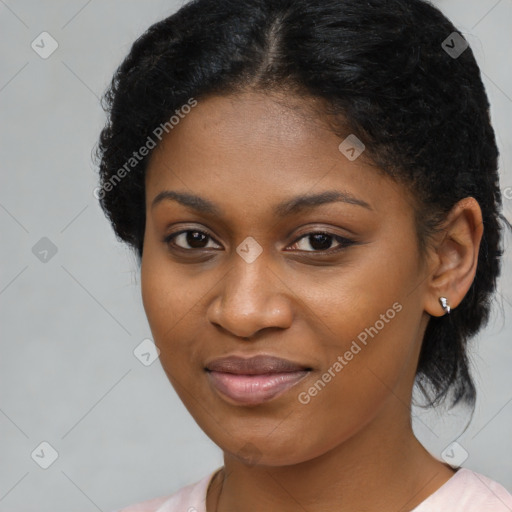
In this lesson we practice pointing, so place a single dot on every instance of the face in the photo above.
(238, 263)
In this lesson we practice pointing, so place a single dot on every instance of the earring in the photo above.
(444, 304)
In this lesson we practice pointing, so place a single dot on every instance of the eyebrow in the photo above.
(288, 207)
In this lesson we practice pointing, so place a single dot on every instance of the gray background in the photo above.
(69, 325)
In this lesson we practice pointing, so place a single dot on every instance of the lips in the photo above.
(256, 365)
(254, 380)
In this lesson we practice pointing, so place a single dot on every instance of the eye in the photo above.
(195, 239)
(321, 241)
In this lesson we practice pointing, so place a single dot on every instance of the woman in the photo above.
(312, 190)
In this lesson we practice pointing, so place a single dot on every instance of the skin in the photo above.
(352, 446)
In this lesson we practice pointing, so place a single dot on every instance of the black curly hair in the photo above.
(381, 68)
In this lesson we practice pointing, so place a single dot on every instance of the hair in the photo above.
(380, 71)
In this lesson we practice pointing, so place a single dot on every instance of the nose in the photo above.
(251, 297)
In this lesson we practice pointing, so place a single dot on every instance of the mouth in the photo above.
(254, 380)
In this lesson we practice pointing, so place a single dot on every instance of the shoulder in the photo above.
(468, 491)
(190, 498)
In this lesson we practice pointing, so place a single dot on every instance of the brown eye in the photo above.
(321, 242)
(194, 238)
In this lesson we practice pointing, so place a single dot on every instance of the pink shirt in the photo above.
(465, 491)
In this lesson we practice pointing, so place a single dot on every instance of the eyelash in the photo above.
(344, 242)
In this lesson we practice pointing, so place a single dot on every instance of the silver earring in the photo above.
(444, 304)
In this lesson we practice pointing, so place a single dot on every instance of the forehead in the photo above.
(252, 149)
(271, 122)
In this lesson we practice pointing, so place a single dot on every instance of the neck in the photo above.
(382, 467)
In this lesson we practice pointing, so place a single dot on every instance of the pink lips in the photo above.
(251, 381)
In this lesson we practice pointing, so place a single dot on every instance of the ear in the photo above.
(455, 256)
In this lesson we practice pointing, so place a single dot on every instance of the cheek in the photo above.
(368, 331)
(156, 298)
(172, 302)
(163, 301)
(163, 288)
(360, 379)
